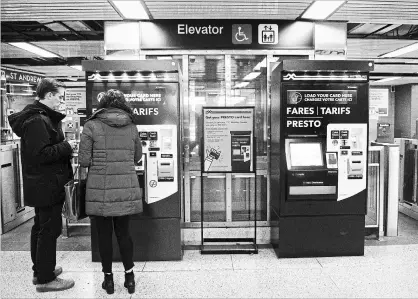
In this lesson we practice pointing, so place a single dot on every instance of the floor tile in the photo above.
(23, 289)
(15, 246)
(192, 260)
(17, 235)
(67, 246)
(235, 284)
(80, 261)
(267, 259)
(378, 281)
(387, 270)
(89, 285)
(15, 261)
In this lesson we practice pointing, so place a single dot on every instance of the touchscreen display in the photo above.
(306, 154)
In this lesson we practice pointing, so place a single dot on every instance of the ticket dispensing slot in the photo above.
(312, 173)
(165, 170)
(355, 166)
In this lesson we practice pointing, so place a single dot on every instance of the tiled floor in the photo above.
(387, 270)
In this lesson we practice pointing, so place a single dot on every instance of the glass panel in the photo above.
(243, 199)
(206, 88)
(249, 88)
(214, 199)
(373, 192)
(195, 199)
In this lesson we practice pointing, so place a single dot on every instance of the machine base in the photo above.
(314, 236)
(154, 240)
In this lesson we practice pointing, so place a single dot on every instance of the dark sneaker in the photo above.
(57, 284)
(108, 284)
(57, 272)
(130, 282)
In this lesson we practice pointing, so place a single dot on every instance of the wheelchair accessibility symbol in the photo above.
(242, 34)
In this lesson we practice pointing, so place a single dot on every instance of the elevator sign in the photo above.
(226, 34)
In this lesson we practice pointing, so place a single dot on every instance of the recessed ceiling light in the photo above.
(387, 79)
(263, 63)
(77, 67)
(77, 25)
(251, 76)
(366, 28)
(34, 49)
(401, 51)
(130, 9)
(241, 85)
(388, 28)
(322, 9)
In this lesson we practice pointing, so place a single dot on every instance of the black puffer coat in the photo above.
(45, 154)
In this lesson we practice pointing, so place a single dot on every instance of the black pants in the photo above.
(105, 226)
(43, 241)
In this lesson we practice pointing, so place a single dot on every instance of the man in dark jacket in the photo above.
(46, 169)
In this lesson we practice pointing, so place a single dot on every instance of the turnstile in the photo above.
(407, 169)
(410, 184)
(13, 211)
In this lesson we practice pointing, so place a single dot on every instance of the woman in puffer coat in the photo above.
(110, 146)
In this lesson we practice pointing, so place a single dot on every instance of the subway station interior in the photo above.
(280, 143)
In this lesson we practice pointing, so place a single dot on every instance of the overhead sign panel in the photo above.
(226, 34)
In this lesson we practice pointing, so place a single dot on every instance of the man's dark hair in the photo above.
(114, 99)
(46, 85)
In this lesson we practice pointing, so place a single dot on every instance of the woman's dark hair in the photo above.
(114, 98)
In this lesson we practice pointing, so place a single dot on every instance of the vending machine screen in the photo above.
(306, 154)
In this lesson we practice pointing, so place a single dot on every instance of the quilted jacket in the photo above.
(110, 146)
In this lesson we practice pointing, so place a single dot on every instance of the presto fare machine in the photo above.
(152, 89)
(321, 116)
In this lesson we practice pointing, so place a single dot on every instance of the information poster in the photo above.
(75, 101)
(378, 102)
(228, 139)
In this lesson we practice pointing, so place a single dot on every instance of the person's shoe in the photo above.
(57, 284)
(108, 284)
(57, 272)
(130, 282)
